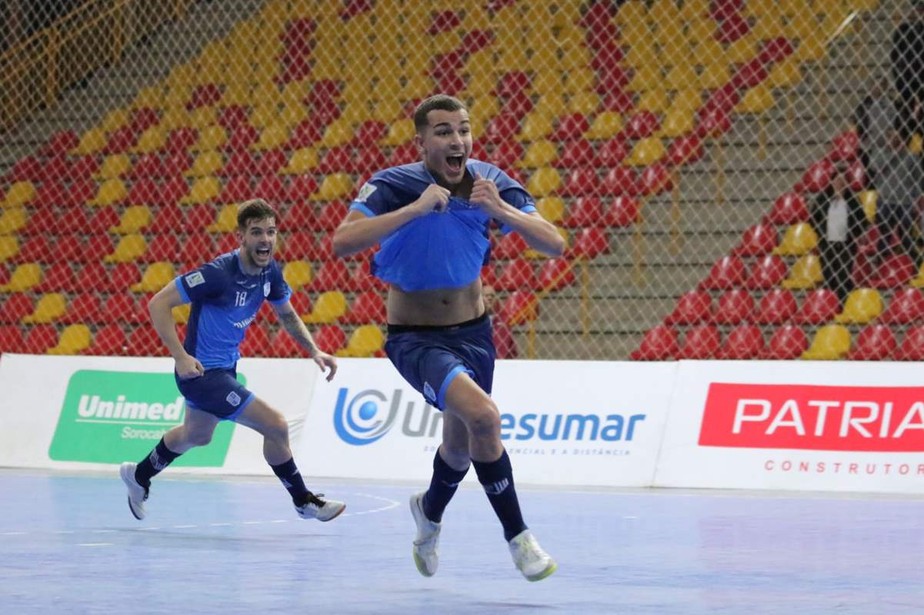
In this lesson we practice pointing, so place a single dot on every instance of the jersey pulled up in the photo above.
(441, 249)
(225, 300)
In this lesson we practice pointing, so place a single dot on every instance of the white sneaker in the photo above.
(322, 510)
(136, 493)
(426, 552)
(530, 559)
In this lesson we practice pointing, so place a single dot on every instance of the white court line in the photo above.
(94, 544)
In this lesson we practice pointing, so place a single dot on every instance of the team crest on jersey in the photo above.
(266, 289)
(365, 192)
(195, 279)
(429, 393)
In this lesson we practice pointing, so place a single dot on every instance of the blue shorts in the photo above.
(217, 392)
(430, 357)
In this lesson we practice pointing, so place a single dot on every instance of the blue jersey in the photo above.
(225, 301)
(442, 249)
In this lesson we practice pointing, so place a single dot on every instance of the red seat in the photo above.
(580, 181)
(518, 273)
(776, 307)
(693, 307)
(505, 154)
(571, 127)
(330, 338)
(817, 177)
(241, 136)
(555, 274)
(502, 127)
(819, 306)
(15, 307)
(237, 189)
(906, 307)
(655, 179)
(509, 246)
(57, 278)
(641, 125)
(519, 307)
(620, 181)
(143, 341)
(912, 346)
(786, 343)
(873, 343)
(613, 152)
(331, 275)
(39, 338)
(367, 307)
(228, 243)
(162, 247)
(788, 208)
(284, 345)
(60, 143)
(331, 215)
(122, 307)
(727, 272)
(299, 246)
(766, 273)
(735, 307)
(700, 342)
(196, 247)
(35, 249)
(622, 212)
(658, 344)
(42, 222)
(85, 307)
(583, 211)
(256, 342)
(109, 340)
(589, 243)
(103, 220)
(11, 339)
(577, 153)
(758, 240)
(742, 342)
(361, 278)
(685, 149)
(893, 272)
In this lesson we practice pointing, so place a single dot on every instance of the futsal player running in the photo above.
(431, 220)
(226, 294)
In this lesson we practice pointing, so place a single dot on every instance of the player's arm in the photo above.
(160, 307)
(359, 231)
(539, 233)
(294, 326)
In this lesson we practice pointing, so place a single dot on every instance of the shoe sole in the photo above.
(126, 480)
(421, 566)
(545, 573)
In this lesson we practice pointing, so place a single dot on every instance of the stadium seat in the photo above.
(645, 152)
(728, 272)
(517, 273)
(15, 307)
(798, 239)
(776, 307)
(206, 164)
(39, 338)
(912, 345)
(11, 339)
(334, 186)
(163, 247)
(9, 247)
(693, 307)
(330, 338)
(685, 149)
(789, 208)
(114, 167)
(786, 343)
(540, 153)
(24, 277)
(873, 343)
(203, 190)
(109, 340)
(805, 273)
(123, 307)
(58, 277)
(367, 307)
(905, 307)
(144, 342)
(552, 208)
(620, 181)
(895, 271)
(757, 240)
(519, 307)
(613, 153)
(579, 181)
(544, 181)
(84, 307)
(155, 277)
(256, 342)
(766, 272)
(35, 249)
(734, 307)
(818, 307)
(329, 307)
(584, 211)
(861, 306)
(700, 342)
(133, 220)
(74, 340)
(196, 247)
(589, 243)
(330, 275)
(622, 212)
(831, 342)
(48, 308)
(298, 274)
(13, 220)
(365, 341)
(555, 274)
(129, 249)
(19, 194)
(658, 344)
(742, 342)
(577, 153)
(655, 179)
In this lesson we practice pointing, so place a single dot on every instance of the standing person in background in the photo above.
(899, 193)
(839, 221)
(432, 220)
(226, 294)
(874, 119)
(907, 60)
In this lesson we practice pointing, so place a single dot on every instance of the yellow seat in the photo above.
(798, 239)
(916, 145)
(301, 161)
(338, 132)
(12, 220)
(552, 208)
(742, 50)
(272, 137)
(9, 247)
(645, 152)
(114, 166)
(24, 277)
(681, 76)
(536, 126)
(203, 190)
(210, 138)
(758, 99)
(133, 219)
(862, 306)
(831, 342)
(539, 154)
(47, 309)
(786, 73)
(181, 313)
(19, 194)
(400, 132)
(91, 142)
(297, 274)
(656, 101)
(115, 119)
(335, 186)
(646, 77)
(585, 102)
(111, 192)
(74, 339)
(805, 273)
(365, 341)
(918, 281)
(328, 308)
(714, 75)
(226, 221)
(868, 199)
(206, 163)
(151, 140)
(677, 122)
(129, 249)
(605, 125)
(543, 182)
(155, 276)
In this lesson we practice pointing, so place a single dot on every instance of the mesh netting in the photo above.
(735, 179)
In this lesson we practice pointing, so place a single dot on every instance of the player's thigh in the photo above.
(263, 418)
(199, 423)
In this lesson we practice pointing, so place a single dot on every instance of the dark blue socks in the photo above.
(497, 479)
(443, 486)
(292, 480)
(159, 458)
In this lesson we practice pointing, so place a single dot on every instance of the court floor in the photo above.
(234, 545)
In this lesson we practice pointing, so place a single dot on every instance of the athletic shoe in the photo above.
(137, 494)
(530, 559)
(426, 552)
(322, 510)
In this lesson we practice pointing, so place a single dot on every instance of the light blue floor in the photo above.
(69, 545)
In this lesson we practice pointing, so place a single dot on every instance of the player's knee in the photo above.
(485, 424)
(277, 428)
(199, 437)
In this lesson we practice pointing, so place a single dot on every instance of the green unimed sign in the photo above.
(111, 417)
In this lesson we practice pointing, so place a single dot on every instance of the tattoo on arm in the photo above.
(296, 328)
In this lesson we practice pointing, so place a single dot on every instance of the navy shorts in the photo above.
(430, 357)
(217, 392)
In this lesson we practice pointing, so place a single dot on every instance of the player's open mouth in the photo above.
(455, 162)
(264, 252)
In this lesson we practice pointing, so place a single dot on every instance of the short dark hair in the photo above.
(254, 209)
(437, 102)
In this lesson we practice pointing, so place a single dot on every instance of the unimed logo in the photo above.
(110, 417)
(828, 418)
